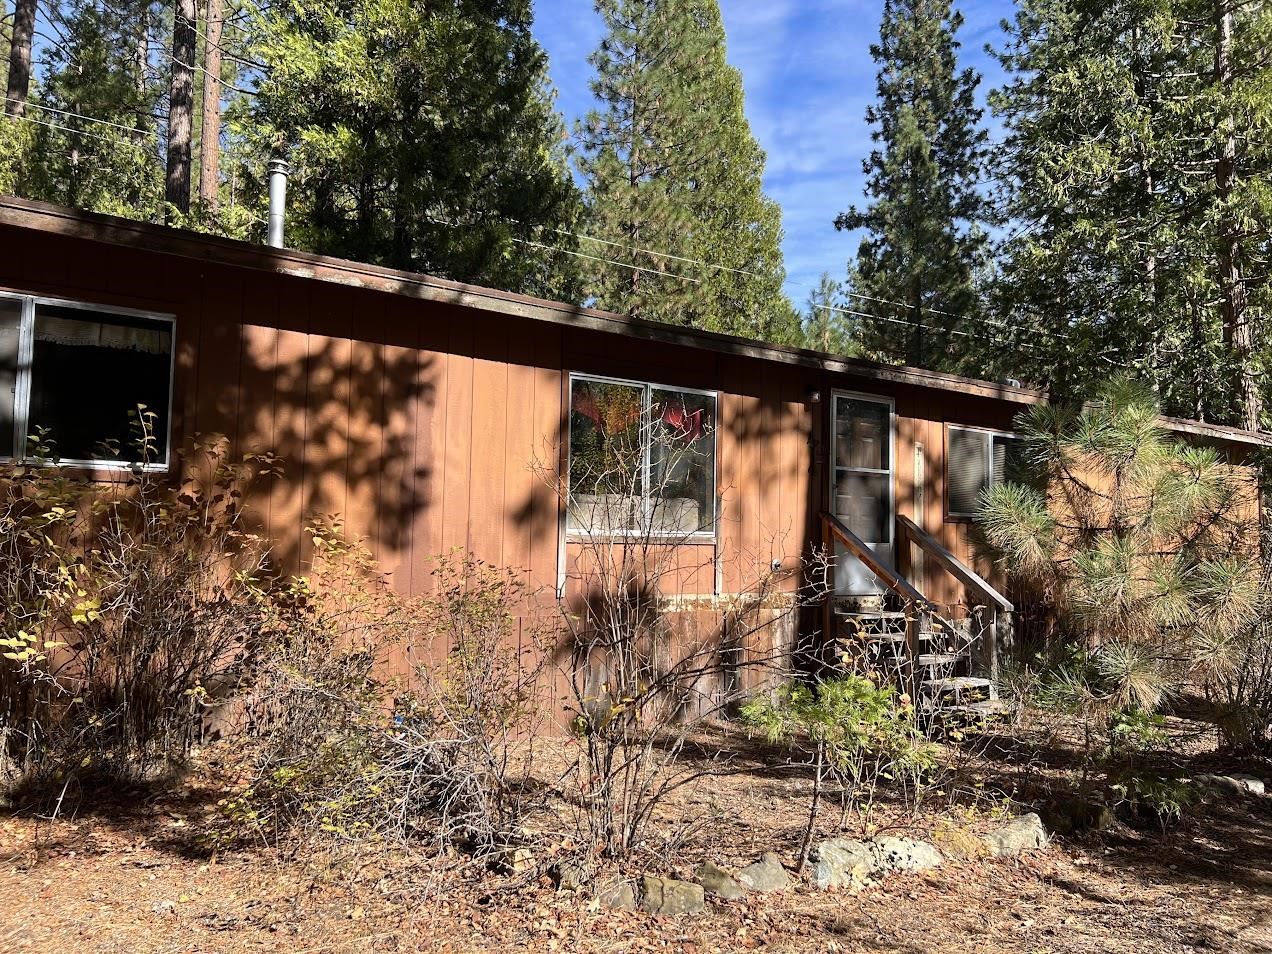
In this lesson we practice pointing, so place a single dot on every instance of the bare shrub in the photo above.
(654, 653)
(129, 608)
(339, 748)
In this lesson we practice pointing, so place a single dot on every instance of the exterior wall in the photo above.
(420, 422)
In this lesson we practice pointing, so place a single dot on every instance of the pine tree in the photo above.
(1145, 550)
(421, 135)
(1139, 197)
(828, 327)
(110, 161)
(925, 240)
(674, 178)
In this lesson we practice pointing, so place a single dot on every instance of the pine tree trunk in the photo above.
(181, 107)
(20, 58)
(1238, 329)
(210, 144)
(141, 62)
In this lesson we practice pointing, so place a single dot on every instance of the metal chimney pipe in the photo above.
(278, 172)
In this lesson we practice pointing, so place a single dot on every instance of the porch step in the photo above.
(988, 707)
(958, 688)
(933, 660)
(870, 614)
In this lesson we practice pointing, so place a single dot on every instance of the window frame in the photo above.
(696, 536)
(22, 380)
(990, 432)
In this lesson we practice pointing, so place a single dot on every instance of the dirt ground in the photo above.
(133, 877)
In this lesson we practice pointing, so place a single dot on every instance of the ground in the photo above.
(133, 875)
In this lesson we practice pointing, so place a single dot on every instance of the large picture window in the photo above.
(80, 375)
(642, 459)
(976, 460)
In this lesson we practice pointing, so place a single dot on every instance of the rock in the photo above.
(668, 897)
(1019, 834)
(765, 876)
(903, 854)
(616, 894)
(1074, 815)
(572, 875)
(164, 907)
(843, 863)
(1232, 784)
(718, 883)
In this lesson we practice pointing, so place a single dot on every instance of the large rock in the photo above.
(847, 863)
(1232, 784)
(765, 876)
(842, 863)
(903, 854)
(616, 894)
(1019, 834)
(718, 883)
(668, 897)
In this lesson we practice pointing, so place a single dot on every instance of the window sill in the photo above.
(99, 471)
(684, 539)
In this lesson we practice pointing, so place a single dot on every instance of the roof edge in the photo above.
(114, 230)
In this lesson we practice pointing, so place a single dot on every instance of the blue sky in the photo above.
(808, 76)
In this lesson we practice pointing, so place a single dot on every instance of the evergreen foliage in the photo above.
(422, 136)
(925, 240)
(1138, 172)
(1145, 548)
(828, 327)
(674, 178)
(111, 166)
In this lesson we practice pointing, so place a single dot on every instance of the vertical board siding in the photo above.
(429, 427)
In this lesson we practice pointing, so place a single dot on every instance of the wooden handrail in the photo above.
(873, 562)
(950, 563)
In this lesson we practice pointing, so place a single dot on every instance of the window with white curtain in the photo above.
(83, 377)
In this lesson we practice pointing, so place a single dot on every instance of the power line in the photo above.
(89, 119)
(71, 129)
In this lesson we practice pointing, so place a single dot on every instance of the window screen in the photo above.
(91, 374)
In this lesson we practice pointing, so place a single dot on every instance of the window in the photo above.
(976, 460)
(642, 459)
(80, 375)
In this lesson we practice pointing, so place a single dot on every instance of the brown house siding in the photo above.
(419, 420)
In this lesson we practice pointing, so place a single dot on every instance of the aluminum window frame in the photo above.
(697, 536)
(994, 478)
(26, 369)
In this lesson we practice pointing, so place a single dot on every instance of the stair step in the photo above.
(870, 614)
(939, 659)
(959, 684)
(985, 707)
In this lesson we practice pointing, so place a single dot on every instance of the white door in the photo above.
(861, 485)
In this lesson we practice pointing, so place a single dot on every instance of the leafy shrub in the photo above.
(857, 731)
(128, 609)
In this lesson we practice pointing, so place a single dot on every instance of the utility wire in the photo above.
(133, 130)
(71, 129)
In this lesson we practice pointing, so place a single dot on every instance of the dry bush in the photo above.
(129, 608)
(648, 661)
(338, 749)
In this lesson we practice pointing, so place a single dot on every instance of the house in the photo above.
(433, 415)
